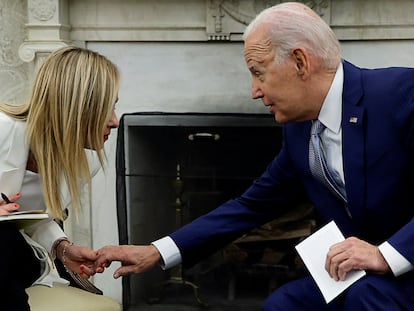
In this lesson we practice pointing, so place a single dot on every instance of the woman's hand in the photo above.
(78, 259)
(9, 207)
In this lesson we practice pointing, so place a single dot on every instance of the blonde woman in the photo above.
(50, 149)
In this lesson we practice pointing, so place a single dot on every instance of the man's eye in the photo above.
(259, 75)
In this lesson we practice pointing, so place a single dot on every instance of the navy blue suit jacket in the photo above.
(378, 160)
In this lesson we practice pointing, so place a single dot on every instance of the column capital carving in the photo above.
(28, 50)
(47, 28)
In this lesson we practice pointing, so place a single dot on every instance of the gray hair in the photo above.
(293, 24)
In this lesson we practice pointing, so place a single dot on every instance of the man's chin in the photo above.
(279, 119)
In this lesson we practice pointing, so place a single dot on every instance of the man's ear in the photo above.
(301, 61)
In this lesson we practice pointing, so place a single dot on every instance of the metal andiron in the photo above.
(176, 273)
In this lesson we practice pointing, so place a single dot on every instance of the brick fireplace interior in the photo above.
(174, 167)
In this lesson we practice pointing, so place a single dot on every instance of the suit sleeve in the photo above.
(268, 196)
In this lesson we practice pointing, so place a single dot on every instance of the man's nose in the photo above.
(256, 91)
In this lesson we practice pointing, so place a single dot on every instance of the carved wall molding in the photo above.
(350, 20)
(322, 7)
(14, 73)
(227, 19)
(42, 10)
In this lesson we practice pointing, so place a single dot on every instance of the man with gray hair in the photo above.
(357, 167)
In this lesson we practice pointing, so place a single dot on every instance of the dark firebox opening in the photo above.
(172, 168)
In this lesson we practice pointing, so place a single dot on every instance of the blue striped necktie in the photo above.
(317, 162)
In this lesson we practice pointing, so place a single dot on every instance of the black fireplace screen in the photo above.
(174, 167)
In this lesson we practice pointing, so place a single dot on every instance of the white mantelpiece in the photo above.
(175, 55)
(225, 20)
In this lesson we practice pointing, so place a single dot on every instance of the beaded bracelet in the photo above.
(56, 245)
(64, 255)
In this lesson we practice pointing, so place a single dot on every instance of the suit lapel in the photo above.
(353, 142)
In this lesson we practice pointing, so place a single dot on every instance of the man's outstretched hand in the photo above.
(134, 258)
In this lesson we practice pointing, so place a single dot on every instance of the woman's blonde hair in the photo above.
(72, 100)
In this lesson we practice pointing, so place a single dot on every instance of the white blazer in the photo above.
(14, 152)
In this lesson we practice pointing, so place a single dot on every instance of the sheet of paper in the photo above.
(313, 252)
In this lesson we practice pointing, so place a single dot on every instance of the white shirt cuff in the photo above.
(169, 251)
(397, 262)
(46, 233)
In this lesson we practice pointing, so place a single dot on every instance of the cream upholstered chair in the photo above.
(80, 295)
(68, 298)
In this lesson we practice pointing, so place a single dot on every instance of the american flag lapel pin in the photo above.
(353, 120)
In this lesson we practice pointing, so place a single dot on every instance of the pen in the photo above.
(5, 198)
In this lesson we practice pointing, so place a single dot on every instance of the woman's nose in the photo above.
(113, 121)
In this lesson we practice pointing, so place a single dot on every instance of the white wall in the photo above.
(371, 54)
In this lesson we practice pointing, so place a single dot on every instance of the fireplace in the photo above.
(174, 167)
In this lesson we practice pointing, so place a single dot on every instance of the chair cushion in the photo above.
(68, 298)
